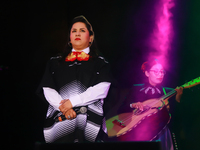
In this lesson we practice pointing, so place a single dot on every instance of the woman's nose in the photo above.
(160, 74)
(78, 33)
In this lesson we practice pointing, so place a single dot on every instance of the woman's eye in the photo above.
(73, 31)
(156, 72)
(82, 30)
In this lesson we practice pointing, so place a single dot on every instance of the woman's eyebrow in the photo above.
(76, 28)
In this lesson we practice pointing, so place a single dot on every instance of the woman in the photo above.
(154, 71)
(80, 77)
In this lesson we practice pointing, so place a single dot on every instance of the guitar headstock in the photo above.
(191, 83)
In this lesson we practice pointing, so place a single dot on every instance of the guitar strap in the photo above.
(164, 91)
(166, 101)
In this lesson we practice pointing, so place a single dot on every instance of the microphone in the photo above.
(82, 110)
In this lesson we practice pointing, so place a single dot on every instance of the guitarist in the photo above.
(154, 71)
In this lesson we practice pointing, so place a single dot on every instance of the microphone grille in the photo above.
(83, 110)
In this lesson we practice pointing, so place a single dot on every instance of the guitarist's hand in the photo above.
(179, 93)
(137, 105)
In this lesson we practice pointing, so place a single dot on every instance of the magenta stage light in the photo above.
(162, 36)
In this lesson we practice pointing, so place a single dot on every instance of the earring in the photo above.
(90, 43)
(70, 44)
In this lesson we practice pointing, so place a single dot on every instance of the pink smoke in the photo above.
(162, 36)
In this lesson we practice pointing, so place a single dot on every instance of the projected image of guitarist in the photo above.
(152, 89)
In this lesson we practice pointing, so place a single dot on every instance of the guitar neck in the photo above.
(169, 94)
(189, 84)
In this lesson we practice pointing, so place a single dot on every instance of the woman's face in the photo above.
(79, 36)
(155, 74)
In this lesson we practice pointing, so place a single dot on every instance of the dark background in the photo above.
(33, 31)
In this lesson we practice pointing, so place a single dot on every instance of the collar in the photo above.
(147, 84)
(86, 50)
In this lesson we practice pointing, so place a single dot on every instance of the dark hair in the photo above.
(93, 48)
(146, 66)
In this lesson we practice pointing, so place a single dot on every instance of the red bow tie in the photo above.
(80, 56)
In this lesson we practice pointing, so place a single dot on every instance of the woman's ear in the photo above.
(91, 38)
(146, 73)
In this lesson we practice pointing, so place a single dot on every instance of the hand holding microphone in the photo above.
(71, 114)
(66, 109)
(65, 106)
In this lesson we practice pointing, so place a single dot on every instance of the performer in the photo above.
(79, 77)
(154, 71)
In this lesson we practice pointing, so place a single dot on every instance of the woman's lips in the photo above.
(159, 78)
(77, 39)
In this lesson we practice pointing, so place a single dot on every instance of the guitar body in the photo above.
(139, 125)
(143, 125)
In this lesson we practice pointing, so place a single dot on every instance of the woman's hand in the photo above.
(179, 93)
(65, 106)
(137, 105)
(70, 114)
(166, 102)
